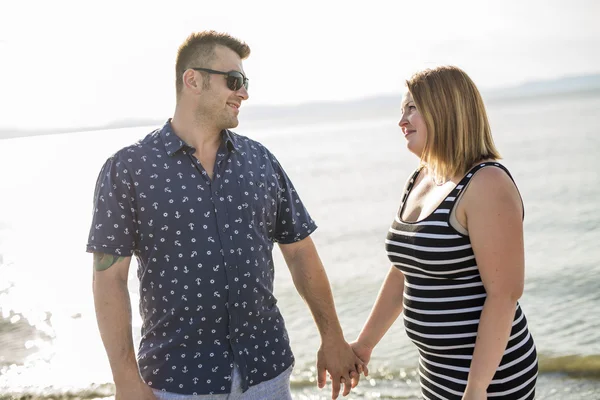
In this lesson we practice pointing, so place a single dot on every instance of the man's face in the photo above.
(217, 101)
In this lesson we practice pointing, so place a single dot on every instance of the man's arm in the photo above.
(310, 279)
(113, 312)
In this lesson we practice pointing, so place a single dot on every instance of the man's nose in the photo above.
(243, 93)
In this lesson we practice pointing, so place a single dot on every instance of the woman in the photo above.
(456, 247)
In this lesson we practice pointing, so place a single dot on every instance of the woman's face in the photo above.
(413, 126)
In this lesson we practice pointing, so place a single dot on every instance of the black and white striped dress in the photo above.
(443, 299)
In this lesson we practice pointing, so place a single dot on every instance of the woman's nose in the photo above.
(403, 121)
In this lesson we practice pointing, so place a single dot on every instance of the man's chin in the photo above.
(232, 123)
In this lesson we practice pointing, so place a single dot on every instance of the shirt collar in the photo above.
(174, 143)
(229, 138)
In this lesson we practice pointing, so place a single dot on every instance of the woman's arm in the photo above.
(493, 211)
(386, 310)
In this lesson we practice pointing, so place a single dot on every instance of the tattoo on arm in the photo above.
(104, 261)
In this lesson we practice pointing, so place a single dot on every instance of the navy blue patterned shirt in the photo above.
(204, 255)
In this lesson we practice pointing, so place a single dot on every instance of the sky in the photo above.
(74, 63)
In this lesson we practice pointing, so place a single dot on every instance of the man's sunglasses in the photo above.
(235, 79)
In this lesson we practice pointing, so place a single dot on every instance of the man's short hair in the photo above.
(198, 50)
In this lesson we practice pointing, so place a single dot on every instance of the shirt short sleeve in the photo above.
(293, 220)
(113, 229)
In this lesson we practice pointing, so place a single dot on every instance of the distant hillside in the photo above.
(569, 84)
(256, 116)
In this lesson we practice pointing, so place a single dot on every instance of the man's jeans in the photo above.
(277, 388)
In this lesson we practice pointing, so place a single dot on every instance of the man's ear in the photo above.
(192, 81)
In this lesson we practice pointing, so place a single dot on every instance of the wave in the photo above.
(96, 392)
(574, 366)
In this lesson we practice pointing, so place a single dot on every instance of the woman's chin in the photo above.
(416, 150)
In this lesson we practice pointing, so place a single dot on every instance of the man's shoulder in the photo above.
(147, 145)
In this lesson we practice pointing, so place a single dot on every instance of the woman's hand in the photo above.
(363, 352)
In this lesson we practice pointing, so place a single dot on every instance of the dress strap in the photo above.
(464, 182)
(410, 184)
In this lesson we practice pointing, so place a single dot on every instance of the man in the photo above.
(201, 207)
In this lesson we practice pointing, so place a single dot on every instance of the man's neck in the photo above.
(194, 131)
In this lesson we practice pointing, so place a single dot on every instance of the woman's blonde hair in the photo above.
(458, 130)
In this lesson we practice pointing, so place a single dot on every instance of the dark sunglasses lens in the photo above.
(235, 81)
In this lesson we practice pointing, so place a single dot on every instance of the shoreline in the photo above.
(261, 116)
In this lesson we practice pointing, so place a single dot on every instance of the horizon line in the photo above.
(502, 92)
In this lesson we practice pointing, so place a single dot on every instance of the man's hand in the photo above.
(138, 390)
(363, 352)
(310, 279)
(344, 367)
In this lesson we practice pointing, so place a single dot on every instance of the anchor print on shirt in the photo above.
(200, 242)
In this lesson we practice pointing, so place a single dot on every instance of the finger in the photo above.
(321, 376)
(354, 378)
(359, 363)
(361, 367)
(347, 385)
(335, 388)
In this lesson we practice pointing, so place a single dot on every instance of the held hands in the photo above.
(363, 352)
(344, 367)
